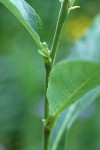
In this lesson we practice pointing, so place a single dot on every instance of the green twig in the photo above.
(49, 64)
(60, 23)
(46, 105)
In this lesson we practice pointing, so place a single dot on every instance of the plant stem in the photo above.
(46, 106)
(46, 138)
(48, 68)
(48, 65)
(61, 19)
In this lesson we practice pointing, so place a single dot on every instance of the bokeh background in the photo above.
(22, 75)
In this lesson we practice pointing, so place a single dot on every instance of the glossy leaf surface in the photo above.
(27, 16)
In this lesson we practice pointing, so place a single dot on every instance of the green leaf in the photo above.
(82, 104)
(27, 16)
(87, 48)
(68, 116)
(79, 50)
(69, 81)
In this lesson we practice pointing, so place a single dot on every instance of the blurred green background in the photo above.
(22, 75)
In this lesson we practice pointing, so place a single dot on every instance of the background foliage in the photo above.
(22, 75)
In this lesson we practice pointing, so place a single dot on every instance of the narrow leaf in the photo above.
(69, 81)
(27, 16)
